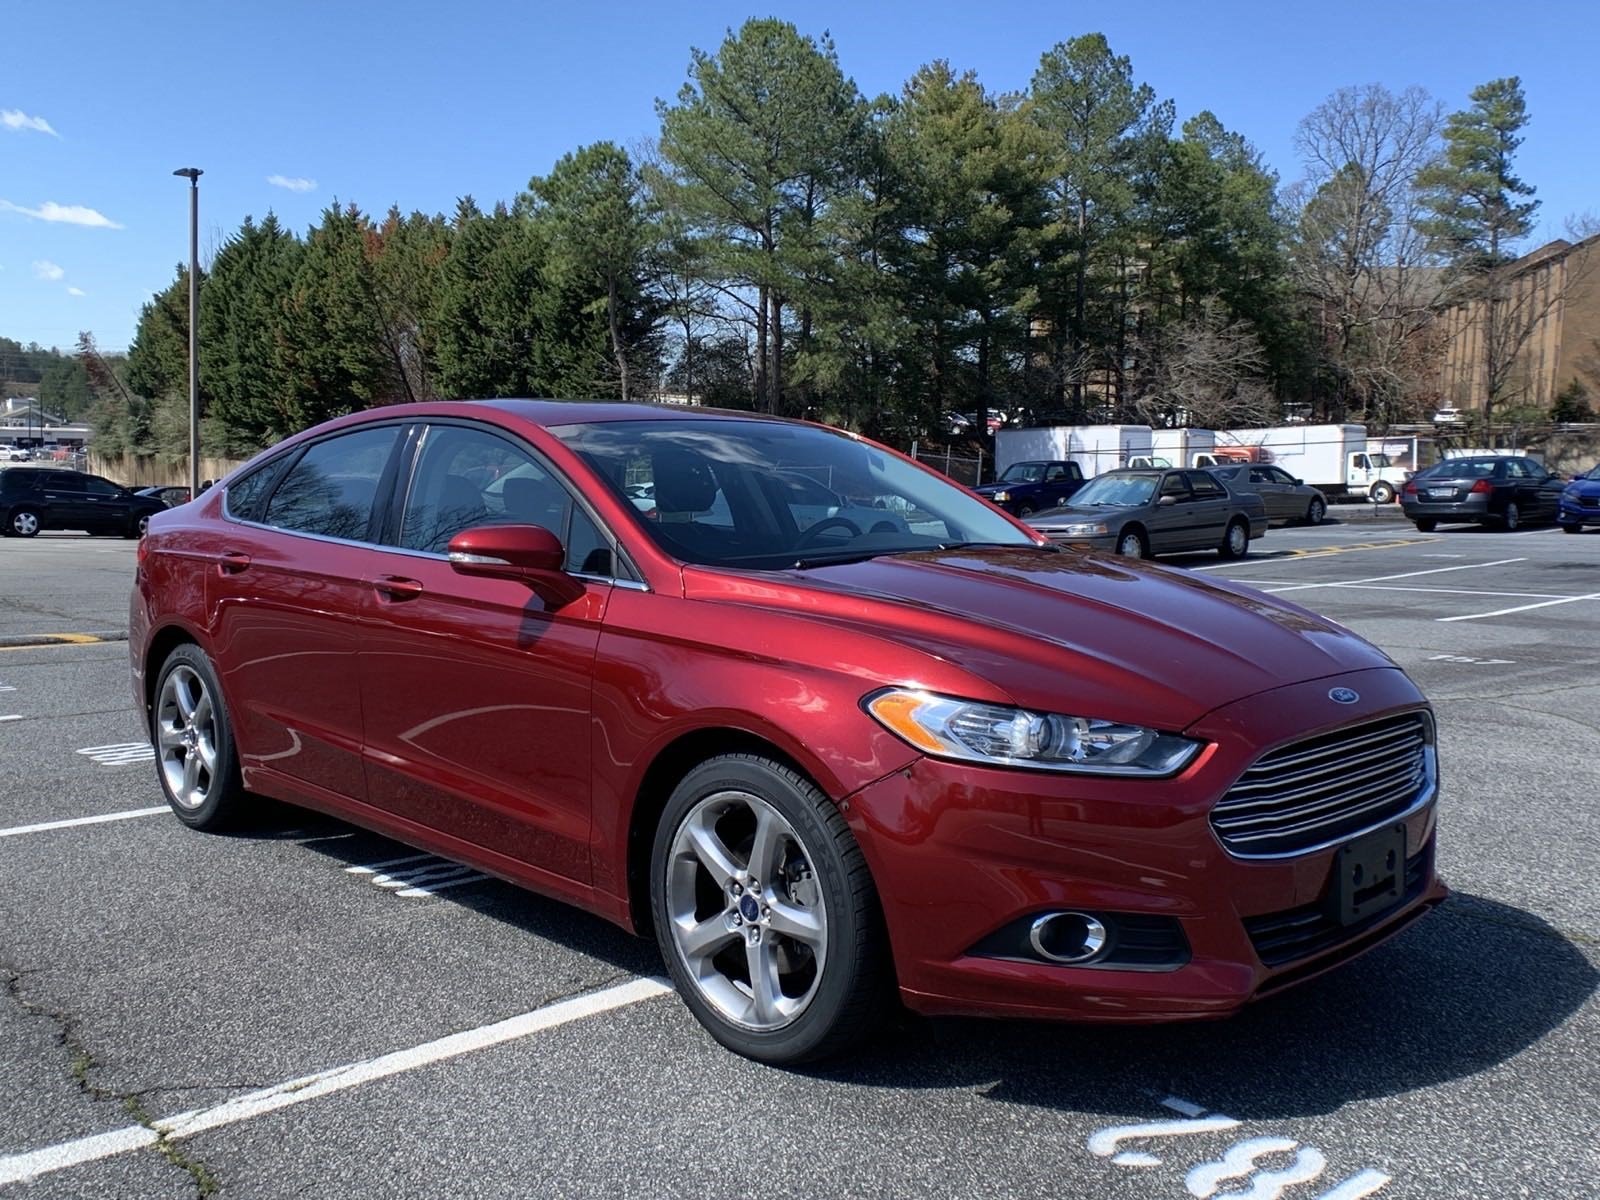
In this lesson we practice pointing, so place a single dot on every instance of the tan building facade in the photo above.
(1550, 322)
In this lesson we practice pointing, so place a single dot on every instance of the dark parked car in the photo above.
(1580, 502)
(1285, 497)
(35, 498)
(1025, 488)
(1499, 489)
(167, 494)
(1139, 513)
(824, 764)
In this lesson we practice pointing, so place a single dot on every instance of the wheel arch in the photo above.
(666, 770)
(163, 642)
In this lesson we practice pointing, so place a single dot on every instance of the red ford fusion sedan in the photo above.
(830, 727)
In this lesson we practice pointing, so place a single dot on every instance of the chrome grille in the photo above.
(1327, 788)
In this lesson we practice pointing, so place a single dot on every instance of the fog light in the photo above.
(1067, 937)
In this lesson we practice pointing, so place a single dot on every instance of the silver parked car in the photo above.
(1285, 497)
(1140, 513)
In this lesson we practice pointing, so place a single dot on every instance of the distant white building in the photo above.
(23, 422)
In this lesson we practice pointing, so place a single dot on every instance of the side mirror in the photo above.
(1166, 501)
(1299, 483)
(528, 554)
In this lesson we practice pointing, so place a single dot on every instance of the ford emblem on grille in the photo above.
(1344, 696)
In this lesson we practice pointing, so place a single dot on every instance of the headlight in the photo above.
(1083, 529)
(1000, 497)
(1014, 737)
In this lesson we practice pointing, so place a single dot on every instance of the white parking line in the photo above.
(12, 717)
(127, 814)
(19, 1168)
(1298, 587)
(1501, 612)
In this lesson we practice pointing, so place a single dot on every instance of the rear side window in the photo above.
(333, 488)
(243, 497)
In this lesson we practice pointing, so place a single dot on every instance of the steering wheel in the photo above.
(810, 535)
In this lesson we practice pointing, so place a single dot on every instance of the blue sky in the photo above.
(421, 103)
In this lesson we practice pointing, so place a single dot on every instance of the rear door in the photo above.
(66, 501)
(287, 598)
(475, 693)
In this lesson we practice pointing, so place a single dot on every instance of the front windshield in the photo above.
(1121, 491)
(767, 494)
(1593, 474)
(1023, 473)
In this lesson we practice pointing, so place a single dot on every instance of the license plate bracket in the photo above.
(1369, 875)
(1441, 493)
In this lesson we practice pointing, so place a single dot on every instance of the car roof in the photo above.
(586, 412)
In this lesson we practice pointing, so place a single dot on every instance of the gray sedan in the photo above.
(1140, 513)
(1286, 498)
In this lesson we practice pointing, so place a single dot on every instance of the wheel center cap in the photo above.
(749, 908)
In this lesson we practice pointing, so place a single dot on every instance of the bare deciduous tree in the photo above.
(1358, 256)
(1207, 370)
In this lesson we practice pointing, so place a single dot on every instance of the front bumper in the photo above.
(960, 852)
(1578, 514)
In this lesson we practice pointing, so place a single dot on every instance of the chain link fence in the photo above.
(964, 469)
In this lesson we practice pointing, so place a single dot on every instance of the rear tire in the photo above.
(1235, 540)
(23, 522)
(1426, 524)
(819, 940)
(197, 763)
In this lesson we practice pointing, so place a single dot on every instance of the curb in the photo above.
(18, 641)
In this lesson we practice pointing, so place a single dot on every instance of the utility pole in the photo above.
(192, 174)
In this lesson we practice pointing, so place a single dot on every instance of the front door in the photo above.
(112, 506)
(476, 693)
(67, 501)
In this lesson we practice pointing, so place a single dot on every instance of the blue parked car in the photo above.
(1025, 488)
(1580, 503)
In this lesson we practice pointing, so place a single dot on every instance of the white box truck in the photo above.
(1334, 458)
(1095, 448)
(1179, 448)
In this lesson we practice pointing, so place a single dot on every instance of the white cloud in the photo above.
(43, 268)
(75, 291)
(67, 214)
(294, 183)
(15, 118)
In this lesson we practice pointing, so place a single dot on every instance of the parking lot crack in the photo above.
(81, 1065)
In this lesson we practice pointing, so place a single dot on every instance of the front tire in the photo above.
(1572, 529)
(1131, 544)
(1316, 511)
(765, 912)
(197, 762)
(1025, 509)
(1511, 519)
(1236, 540)
(1382, 493)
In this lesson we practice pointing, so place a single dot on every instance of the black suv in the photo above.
(35, 498)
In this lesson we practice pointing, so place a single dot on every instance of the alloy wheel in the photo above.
(186, 735)
(746, 908)
(1316, 512)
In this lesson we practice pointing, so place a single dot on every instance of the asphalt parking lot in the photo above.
(303, 1009)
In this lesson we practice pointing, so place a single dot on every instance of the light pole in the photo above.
(192, 174)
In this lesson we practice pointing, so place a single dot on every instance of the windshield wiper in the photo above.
(1050, 546)
(843, 557)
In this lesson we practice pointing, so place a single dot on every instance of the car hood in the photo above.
(1071, 514)
(1584, 487)
(1087, 634)
(989, 489)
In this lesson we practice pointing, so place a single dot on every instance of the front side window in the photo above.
(467, 477)
(1027, 472)
(1173, 485)
(768, 495)
(63, 482)
(1204, 486)
(333, 488)
(101, 487)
